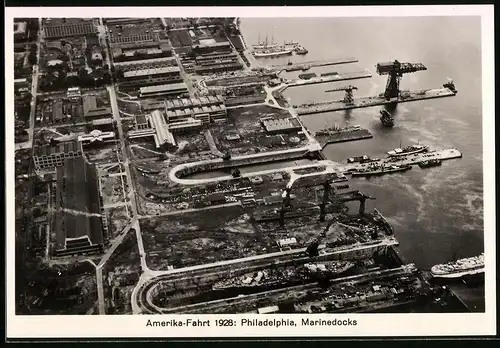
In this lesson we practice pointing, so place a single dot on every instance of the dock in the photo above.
(339, 137)
(331, 78)
(414, 159)
(312, 64)
(364, 102)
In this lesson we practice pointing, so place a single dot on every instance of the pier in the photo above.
(311, 64)
(327, 79)
(414, 159)
(364, 102)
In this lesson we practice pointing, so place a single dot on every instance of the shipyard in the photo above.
(212, 165)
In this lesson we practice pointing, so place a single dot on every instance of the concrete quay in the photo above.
(363, 102)
(414, 159)
(340, 137)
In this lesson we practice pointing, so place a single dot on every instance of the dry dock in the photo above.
(330, 78)
(313, 63)
(414, 159)
(406, 96)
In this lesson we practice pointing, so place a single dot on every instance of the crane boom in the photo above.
(395, 71)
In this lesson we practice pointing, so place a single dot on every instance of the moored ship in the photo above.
(274, 277)
(386, 118)
(430, 163)
(362, 159)
(265, 44)
(379, 170)
(336, 129)
(459, 268)
(408, 150)
(272, 52)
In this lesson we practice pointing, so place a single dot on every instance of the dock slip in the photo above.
(330, 78)
(313, 63)
(364, 102)
(414, 159)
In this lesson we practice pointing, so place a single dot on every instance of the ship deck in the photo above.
(327, 79)
(313, 63)
(364, 102)
(414, 159)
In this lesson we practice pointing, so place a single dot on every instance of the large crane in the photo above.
(348, 98)
(395, 71)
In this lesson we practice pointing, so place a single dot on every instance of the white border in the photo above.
(368, 324)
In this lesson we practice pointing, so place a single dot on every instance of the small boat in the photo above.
(451, 86)
(301, 50)
(430, 163)
(361, 159)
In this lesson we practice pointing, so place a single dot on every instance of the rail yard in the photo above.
(164, 172)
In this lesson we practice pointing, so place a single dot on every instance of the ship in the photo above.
(272, 52)
(459, 268)
(430, 163)
(269, 278)
(291, 43)
(379, 170)
(265, 44)
(307, 76)
(386, 118)
(408, 150)
(301, 50)
(336, 129)
(451, 86)
(362, 159)
(331, 73)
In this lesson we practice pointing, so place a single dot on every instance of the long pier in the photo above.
(414, 159)
(343, 136)
(364, 102)
(313, 63)
(331, 78)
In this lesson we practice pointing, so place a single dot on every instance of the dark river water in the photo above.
(438, 212)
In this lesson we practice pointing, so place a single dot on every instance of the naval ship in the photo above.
(459, 268)
(292, 274)
(380, 170)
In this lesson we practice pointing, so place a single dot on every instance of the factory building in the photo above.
(169, 71)
(188, 125)
(206, 109)
(59, 30)
(78, 221)
(174, 89)
(92, 111)
(281, 125)
(210, 46)
(225, 66)
(54, 156)
(141, 122)
(163, 138)
(150, 105)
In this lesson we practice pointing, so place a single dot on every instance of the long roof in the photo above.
(63, 147)
(77, 202)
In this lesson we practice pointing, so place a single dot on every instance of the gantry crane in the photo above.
(395, 71)
(348, 98)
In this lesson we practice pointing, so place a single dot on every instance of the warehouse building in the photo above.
(168, 71)
(59, 30)
(281, 125)
(163, 138)
(78, 220)
(206, 109)
(54, 156)
(173, 89)
(211, 47)
(92, 111)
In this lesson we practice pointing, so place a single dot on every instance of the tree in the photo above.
(32, 59)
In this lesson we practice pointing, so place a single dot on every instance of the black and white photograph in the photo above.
(276, 172)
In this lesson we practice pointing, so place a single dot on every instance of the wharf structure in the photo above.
(311, 64)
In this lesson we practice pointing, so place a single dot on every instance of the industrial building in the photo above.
(188, 125)
(211, 47)
(206, 109)
(174, 89)
(150, 105)
(281, 125)
(59, 30)
(141, 122)
(159, 131)
(78, 220)
(168, 71)
(96, 136)
(217, 68)
(54, 156)
(92, 111)
(123, 21)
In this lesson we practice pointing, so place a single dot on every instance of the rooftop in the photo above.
(152, 71)
(161, 88)
(64, 147)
